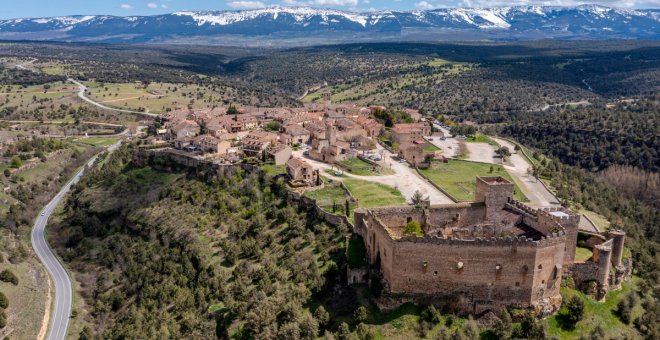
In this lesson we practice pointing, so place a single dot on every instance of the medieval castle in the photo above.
(487, 254)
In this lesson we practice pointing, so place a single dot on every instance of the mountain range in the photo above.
(301, 23)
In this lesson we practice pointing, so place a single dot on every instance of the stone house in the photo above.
(299, 170)
(278, 153)
(371, 126)
(184, 129)
(415, 153)
(299, 134)
(402, 133)
(210, 144)
(258, 141)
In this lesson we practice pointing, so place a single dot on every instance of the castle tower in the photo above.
(618, 238)
(549, 219)
(495, 192)
(327, 97)
(331, 133)
(603, 257)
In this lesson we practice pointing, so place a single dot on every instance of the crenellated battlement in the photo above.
(552, 239)
(521, 208)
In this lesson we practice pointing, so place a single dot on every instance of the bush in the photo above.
(4, 302)
(432, 315)
(3, 319)
(8, 276)
(413, 228)
(503, 327)
(575, 308)
(360, 314)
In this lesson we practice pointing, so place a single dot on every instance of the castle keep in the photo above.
(489, 253)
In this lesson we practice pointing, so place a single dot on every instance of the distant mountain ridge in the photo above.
(517, 22)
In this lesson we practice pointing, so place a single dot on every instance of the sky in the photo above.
(45, 8)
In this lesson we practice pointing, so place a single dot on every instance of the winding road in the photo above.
(59, 321)
(81, 95)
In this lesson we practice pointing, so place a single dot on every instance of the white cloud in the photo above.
(152, 5)
(323, 3)
(126, 6)
(424, 5)
(246, 4)
(164, 6)
(335, 2)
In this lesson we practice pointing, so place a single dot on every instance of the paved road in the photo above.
(404, 178)
(59, 321)
(81, 94)
(517, 166)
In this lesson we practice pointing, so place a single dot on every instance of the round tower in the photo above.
(604, 263)
(618, 238)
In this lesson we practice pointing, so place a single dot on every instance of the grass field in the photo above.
(97, 141)
(157, 97)
(595, 313)
(481, 138)
(458, 177)
(583, 254)
(359, 167)
(27, 300)
(370, 194)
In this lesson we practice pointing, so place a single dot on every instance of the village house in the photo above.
(414, 153)
(257, 141)
(298, 134)
(278, 153)
(409, 133)
(184, 129)
(371, 126)
(210, 144)
(330, 149)
(300, 171)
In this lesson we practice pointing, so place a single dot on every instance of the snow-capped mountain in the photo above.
(520, 22)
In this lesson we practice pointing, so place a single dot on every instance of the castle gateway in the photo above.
(487, 254)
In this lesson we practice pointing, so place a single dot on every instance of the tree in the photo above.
(471, 329)
(322, 316)
(413, 228)
(360, 314)
(4, 302)
(347, 209)
(575, 308)
(8, 276)
(3, 319)
(503, 152)
(344, 332)
(15, 162)
(232, 110)
(432, 315)
(503, 327)
(532, 328)
(309, 327)
(418, 198)
(273, 126)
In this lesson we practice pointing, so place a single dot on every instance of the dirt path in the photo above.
(46, 320)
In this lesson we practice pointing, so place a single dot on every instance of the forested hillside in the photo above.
(185, 256)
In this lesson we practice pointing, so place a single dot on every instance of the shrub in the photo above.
(432, 315)
(322, 316)
(413, 228)
(4, 302)
(3, 319)
(575, 308)
(360, 314)
(8, 276)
